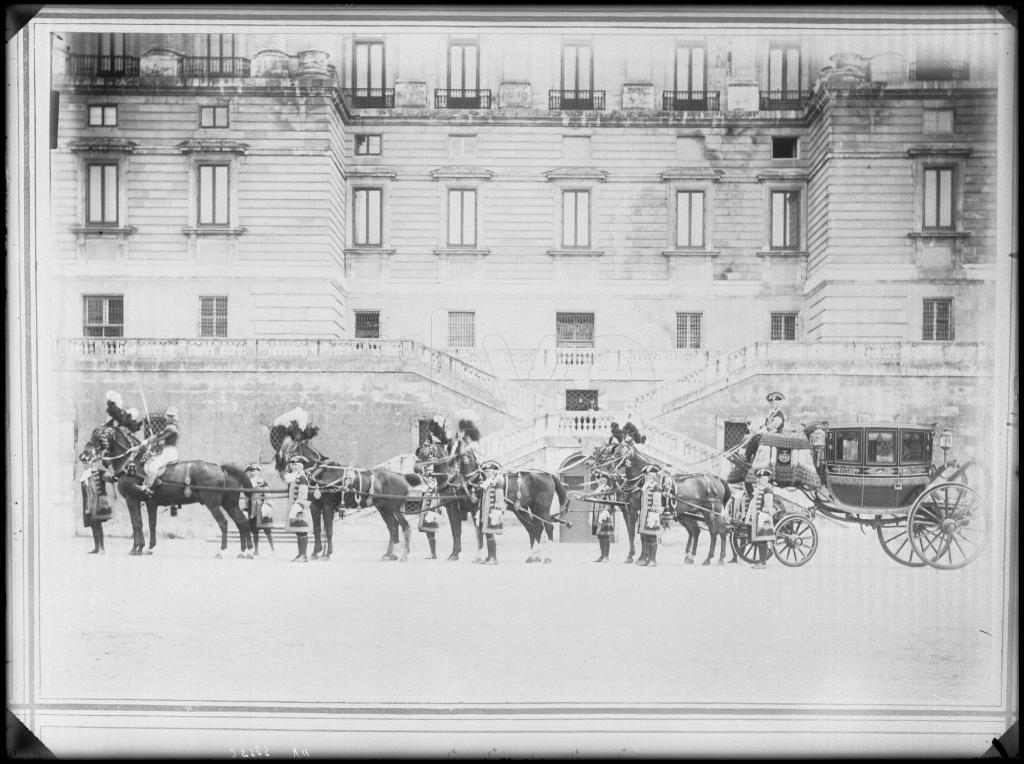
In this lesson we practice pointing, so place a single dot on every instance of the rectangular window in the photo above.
(689, 69)
(938, 120)
(848, 446)
(581, 400)
(366, 214)
(461, 329)
(462, 218)
(368, 67)
(688, 331)
(881, 448)
(575, 218)
(785, 219)
(783, 326)
(368, 145)
(784, 69)
(213, 194)
(102, 116)
(104, 315)
(368, 324)
(213, 116)
(577, 68)
(938, 320)
(102, 200)
(213, 316)
(938, 197)
(690, 219)
(915, 447)
(464, 67)
(783, 148)
(574, 330)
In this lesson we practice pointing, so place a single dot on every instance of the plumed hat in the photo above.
(469, 429)
(776, 396)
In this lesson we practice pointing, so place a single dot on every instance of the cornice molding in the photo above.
(212, 146)
(97, 145)
(576, 173)
(479, 173)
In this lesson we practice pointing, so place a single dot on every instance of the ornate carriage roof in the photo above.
(878, 425)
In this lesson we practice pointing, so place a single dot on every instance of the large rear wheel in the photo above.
(948, 525)
(895, 541)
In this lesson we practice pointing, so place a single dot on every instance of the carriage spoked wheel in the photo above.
(796, 540)
(743, 547)
(895, 541)
(948, 525)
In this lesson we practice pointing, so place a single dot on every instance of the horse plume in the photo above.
(437, 431)
(631, 430)
(469, 429)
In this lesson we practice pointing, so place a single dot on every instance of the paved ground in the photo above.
(849, 628)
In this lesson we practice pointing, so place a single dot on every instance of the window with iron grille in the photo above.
(689, 69)
(574, 330)
(784, 69)
(690, 219)
(103, 315)
(213, 194)
(575, 218)
(734, 434)
(368, 145)
(461, 329)
(213, 316)
(366, 217)
(581, 400)
(462, 217)
(938, 319)
(368, 324)
(101, 195)
(102, 116)
(783, 326)
(938, 197)
(213, 116)
(785, 220)
(688, 331)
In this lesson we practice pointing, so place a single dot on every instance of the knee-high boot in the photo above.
(606, 547)
(492, 550)
(654, 551)
(432, 541)
(645, 546)
(303, 541)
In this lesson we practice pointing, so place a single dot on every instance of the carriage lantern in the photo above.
(946, 443)
(818, 444)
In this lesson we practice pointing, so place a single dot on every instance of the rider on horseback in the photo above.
(166, 451)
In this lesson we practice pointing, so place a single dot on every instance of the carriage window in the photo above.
(848, 446)
(916, 447)
(881, 447)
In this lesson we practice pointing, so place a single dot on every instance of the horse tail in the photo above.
(563, 496)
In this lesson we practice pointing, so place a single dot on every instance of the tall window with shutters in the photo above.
(689, 219)
(937, 321)
(103, 315)
(784, 69)
(938, 198)
(213, 316)
(689, 75)
(366, 217)
(368, 75)
(213, 195)
(688, 331)
(462, 217)
(785, 220)
(575, 219)
(461, 329)
(578, 69)
(101, 202)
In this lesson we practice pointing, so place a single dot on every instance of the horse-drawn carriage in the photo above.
(875, 475)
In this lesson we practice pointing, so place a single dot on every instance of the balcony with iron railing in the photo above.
(102, 66)
(582, 100)
(689, 100)
(784, 100)
(462, 99)
(951, 70)
(370, 98)
(192, 67)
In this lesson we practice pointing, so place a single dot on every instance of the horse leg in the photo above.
(392, 525)
(222, 523)
(255, 533)
(454, 510)
(630, 518)
(242, 523)
(547, 542)
(151, 508)
(135, 515)
(328, 520)
(404, 525)
(316, 511)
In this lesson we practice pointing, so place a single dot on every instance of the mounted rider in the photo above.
(165, 447)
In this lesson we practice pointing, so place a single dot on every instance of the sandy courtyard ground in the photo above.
(851, 628)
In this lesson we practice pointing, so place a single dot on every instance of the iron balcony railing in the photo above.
(689, 100)
(103, 66)
(783, 100)
(589, 100)
(939, 71)
(202, 66)
(462, 99)
(370, 98)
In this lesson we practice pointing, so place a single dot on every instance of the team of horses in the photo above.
(455, 482)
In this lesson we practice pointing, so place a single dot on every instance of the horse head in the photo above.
(110, 444)
(431, 458)
(296, 451)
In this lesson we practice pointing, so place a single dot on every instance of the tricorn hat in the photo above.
(172, 411)
(764, 472)
(776, 396)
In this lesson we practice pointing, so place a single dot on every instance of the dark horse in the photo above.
(216, 486)
(350, 488)
(696, 497)
(530, 494)
(457, 487)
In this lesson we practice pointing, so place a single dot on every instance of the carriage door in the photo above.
(844, 456)
(884, 489)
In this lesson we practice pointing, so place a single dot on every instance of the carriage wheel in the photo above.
(895, 541)
(742, 546)
(796, 540)
(948, 525)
